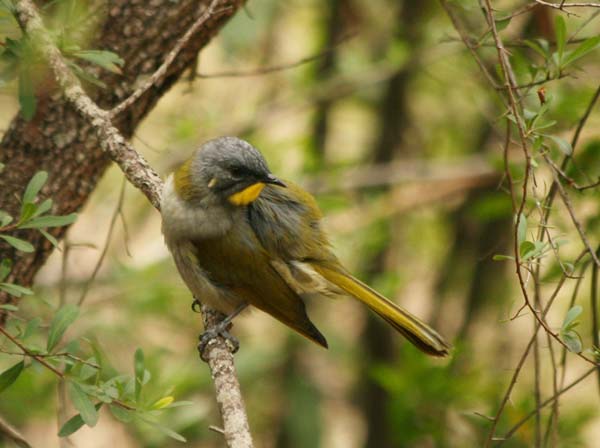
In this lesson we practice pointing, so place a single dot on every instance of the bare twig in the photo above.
(52, 355)
(26, 352)
(143, 177)
(274, 68)
(397, 173)
(513, 380)
(594, 309)
(565, 161)
(42, 361)
(583, 121)
(231, 404)
(552, 428)
(565, 198)
(537, 386)
(61, 389)
(563, 360)
(111, 228)
(161, 72)
(9, 432)
(564, 4)
(510, 83)
(521, 422)
(467, 41)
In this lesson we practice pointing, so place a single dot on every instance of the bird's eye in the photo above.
(236, 171)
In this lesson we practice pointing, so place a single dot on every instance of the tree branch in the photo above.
(161, 72)
(144, 177)
(11, 433)
(562, 5)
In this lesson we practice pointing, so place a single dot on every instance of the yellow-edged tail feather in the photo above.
(420, 334)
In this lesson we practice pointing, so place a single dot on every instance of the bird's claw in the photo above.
(196, 305)
(220, 330)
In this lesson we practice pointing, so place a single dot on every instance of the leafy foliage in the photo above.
(85, 378)
(19, 60)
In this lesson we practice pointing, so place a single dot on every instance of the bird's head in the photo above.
(228, 169)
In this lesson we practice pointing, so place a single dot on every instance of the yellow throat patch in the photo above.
(247, 195)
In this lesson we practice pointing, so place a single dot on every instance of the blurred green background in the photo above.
(400, 138)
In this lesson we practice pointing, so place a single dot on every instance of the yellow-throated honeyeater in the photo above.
(240, 236)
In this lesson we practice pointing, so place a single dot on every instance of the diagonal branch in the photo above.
(144, 177)
(562, 5)
(161, 72)
(11, 433)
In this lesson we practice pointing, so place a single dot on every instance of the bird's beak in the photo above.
(270, 179)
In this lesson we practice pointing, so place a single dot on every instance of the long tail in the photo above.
(420, 334)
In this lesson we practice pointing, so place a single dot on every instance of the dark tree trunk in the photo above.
(394, 120)
(60, 142)
(326, 67)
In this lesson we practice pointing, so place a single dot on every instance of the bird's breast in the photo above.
(182, 220)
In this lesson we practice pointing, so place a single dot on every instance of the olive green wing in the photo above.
(287, 223)
(239, 264)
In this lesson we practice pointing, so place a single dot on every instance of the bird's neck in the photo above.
(192, 220)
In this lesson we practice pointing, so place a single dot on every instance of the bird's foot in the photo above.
(211, 334)
(196, 305)
(220, 330)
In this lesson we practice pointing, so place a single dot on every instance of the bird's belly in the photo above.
(199, 280)
(226, 262)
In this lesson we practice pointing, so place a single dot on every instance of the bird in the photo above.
(242, 237)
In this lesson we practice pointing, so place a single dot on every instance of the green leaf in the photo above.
(81, 402)
(5, 218)
(32, 327)
(561, 35)
(49, 237)
(500, 257)
(138, 367)
(123, 415)
(583, 49)
(15, 290)
(63, 318)
(522, 230)
(546, 125)
(177, 404)
(17, 243)
(525, 247)
(27, 99)
(74, 423)
(34, 186)
(27, 211)
(85, 76)
(108, 392)
(563, 145)
(87, 371)
(5, 268)
(164, 430)
(9, 307)
(540, 46)
(105, 59)
(162, 402)
(502, 23)
(572, 341)
(8, 6)
(572, 314)
(10, 375)
(43, 207)
(50, 221)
